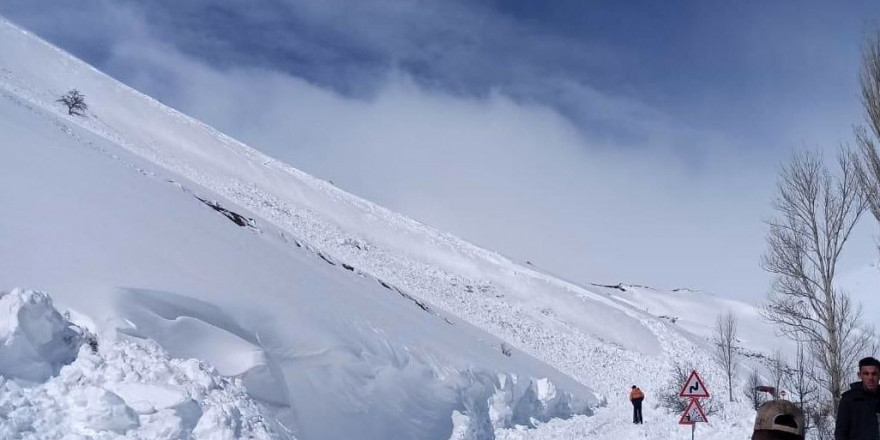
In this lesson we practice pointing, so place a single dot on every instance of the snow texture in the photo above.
(123, 390)
(36, 340)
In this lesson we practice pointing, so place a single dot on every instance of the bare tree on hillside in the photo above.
(779, 372)
(816, 213)
(668, 396)
(725, 350)
(803, 386)
(751, 391)
(75, 102)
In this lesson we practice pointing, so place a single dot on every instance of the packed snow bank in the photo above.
(36, 340)
(187, 327)
(364, 377)
(121, 390)
(53, 385)
(488, 403)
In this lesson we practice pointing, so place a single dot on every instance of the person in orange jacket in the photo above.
(636, 396)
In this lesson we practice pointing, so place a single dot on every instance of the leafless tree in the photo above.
(866, 159)
(75, 102)
(725, 350)
(821, 414)
(779, 373)
(816, 212)
(751, 391)
(803, 385)
(669, 399)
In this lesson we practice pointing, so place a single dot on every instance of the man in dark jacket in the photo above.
(857, 413)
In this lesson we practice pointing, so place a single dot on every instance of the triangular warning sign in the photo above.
(694, 387)
(693, 413)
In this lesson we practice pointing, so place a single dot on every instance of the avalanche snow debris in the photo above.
(37, 340)
(54, 387)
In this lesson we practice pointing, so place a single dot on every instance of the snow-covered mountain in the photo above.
(340, 319)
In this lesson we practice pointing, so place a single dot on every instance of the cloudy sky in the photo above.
(604, 142)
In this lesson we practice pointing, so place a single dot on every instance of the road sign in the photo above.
(693, 387)
(693, 413)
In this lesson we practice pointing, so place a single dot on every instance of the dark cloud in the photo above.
(720, 66)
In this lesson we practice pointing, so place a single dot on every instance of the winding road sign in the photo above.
(694, 387)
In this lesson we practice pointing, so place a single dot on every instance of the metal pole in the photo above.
(693, 428)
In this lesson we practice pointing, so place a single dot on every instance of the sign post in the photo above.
(693, 389)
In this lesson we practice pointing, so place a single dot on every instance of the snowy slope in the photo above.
(88, 224)
(696, 312)
(331, 350)
(345, 320)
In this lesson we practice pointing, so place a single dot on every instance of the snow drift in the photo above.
(121, 390)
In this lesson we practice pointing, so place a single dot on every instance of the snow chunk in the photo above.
(461, 427)
(147, 398)
(95, 409)
(132, 390)
(490, 402)
(35, 340)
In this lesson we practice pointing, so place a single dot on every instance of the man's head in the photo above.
(634, 387)
(779, 420)
(869, 373)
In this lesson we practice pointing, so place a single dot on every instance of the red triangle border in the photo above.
(687, 409)
(699, 380)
